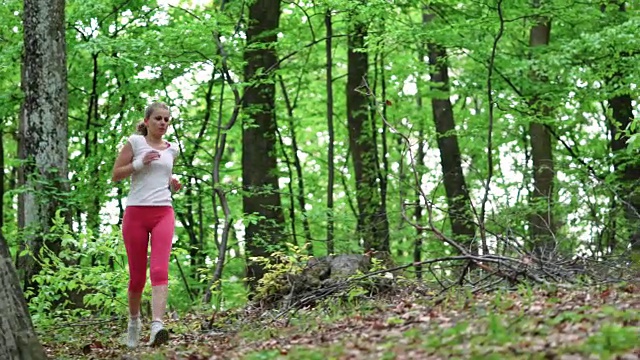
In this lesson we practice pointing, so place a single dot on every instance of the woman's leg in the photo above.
(161, 242)
(136, 241)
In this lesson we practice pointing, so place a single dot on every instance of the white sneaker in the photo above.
(133, 332)
(159, 335)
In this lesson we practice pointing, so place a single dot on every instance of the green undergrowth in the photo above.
(527, 323)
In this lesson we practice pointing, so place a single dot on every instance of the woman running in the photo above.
(148, 216)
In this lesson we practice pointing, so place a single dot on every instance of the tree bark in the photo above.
(2, 179)
(626, 166)
(17, 338)
(259, 162)
(541, 223)
(92, 208)
(420, 165)
(373, 225)
(43, 128)
(330, 150)
(458, 200)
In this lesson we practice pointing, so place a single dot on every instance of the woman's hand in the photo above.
(174, 185)
(150, 156)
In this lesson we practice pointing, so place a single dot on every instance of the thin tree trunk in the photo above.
(43, 128)
(374, 104)
(458, 200)
(542, 226)
(292, 203)
(300, 197)
(417, 246)
(384, 172)
(330, 150)
(2, 180)
(221, 144)
(383, 175)
(259, 162)
(196, 238)
(216, 280)
(90, 142)
(626, 166)
(373, 226)
(419, 166)
(201, 224)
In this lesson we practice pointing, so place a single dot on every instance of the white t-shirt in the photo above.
(150, 184)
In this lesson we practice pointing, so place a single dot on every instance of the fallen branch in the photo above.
(505, 269)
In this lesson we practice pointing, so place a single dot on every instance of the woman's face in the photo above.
(158, 122)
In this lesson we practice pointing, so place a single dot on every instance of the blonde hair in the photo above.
(141, 128)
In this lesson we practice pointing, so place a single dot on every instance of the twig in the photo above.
(487, 186)
(184, 278)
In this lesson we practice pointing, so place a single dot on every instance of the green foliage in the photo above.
(78, 281)
(278, 267)
(611, 339)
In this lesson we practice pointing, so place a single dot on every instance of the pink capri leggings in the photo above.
(138, 223)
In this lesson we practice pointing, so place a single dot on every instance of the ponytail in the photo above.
(141, 128)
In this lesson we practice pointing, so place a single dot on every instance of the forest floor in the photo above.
(588, 323)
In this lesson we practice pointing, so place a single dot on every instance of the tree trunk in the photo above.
(458, 200)
(219, 192)
(373, 226)
(541, 223)
(330, 149)
(17, 340)
(43, 128)
(2, 183)
(420, 165)
(92, 207)
(259, 162)
(626, 166)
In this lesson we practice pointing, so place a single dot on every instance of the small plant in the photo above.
(525, 290)
(566, 316)
(496, 330)
(355, 292)
(279, 266)
(611, 339)
(68, 288)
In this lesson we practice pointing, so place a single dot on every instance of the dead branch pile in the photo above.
(336, 276)
(321, 277)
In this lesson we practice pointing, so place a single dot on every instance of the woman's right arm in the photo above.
(123, 167)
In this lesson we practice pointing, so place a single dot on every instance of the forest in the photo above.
(364, 179)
